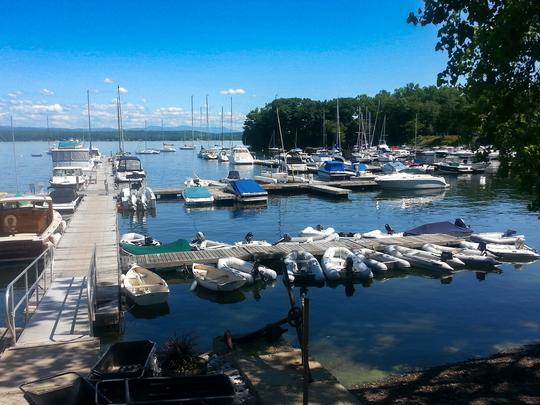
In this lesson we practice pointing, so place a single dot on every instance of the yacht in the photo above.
(129, 169)
(167, 147)
(293, 163)
(28, 226)
(240, 155)
(410, 179)
(454, 167)
(187, 146)
(333, 170)
(68, 176)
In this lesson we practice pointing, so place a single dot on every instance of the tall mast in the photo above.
(324, 129)
(48, 133)
(200, 123)
(415, 133)
(207, 122)
(192, 133)
(89, 122)
(14, 153)
(222, 127)
(162, 133)
(338, 140)
(231, 124)
(119, 116)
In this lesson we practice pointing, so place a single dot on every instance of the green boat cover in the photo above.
(180, 245)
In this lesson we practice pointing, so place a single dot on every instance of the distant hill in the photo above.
(110, 134)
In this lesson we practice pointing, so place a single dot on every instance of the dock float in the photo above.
(251, 252)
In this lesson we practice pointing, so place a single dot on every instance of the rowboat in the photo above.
(145, 287)
(215, 279)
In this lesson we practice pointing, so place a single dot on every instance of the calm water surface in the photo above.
(398, 323)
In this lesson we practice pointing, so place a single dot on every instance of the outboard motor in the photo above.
(446, 256)
(286, 237)
(199, 237)
(482, 246)
(319, 227)
(508, 233)
(349, 267)
(249, 237)
(255, 270)
(148, 241)
(389, 229)
(461, 223)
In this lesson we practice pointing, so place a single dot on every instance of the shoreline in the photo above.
(511, 376)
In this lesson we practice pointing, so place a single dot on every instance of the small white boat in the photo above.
(510, 253)
(308, 239)
(334, 264)
(248, 240)
(138, 239)
(215, 279)
(378, 234)
(145, 287)
(201, 243)
(167, 148)
(501, 238)
(410, 179)
(446, 257)
(391, 262)
(419, 261)
(146, 199)
(470, 257)
(240, 155)
(303, 268)
(249, 270)
(317, 231)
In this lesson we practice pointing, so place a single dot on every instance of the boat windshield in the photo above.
(129, 165)
(68, 172)
(412, 170)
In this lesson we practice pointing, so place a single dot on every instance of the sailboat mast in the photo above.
(119, 116)
(415, 133)
(338, 140)
(14, 153)
(324, 129)
(222, 135)
(231, 124)
(207, 122)
(48, 133)
(89, 122)
(192, 131)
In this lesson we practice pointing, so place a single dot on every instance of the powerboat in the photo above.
(333, 170)
(138, 239)
(65, 200)
(211, 154)
(410, 179)
(187, 146)
(249, 270)
(28, 225)
(68, 176)
(129, 169)
(197, 195)
(144, 287)
(293, 162)
(454, 167)
(240, 155)
(167, 148)
(247, 191)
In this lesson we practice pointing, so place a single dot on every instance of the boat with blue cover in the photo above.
(197, 195)
(333, 170)
(180, 245)
(247, 191)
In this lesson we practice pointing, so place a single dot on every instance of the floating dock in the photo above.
(250, 252)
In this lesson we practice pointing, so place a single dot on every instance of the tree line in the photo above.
(430, 110)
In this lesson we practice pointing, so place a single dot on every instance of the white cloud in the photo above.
(12, 95)
(143, 100)
(108, 80)
(233, 91)
(46, 92)
(122, 90)
(52, 108)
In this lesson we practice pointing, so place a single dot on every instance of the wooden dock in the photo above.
(250, 252)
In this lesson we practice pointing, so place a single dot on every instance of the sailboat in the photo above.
(146, 150)
(190, 146)
(222, 155)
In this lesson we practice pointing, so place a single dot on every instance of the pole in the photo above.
(207, 121)
(305, 348)
(89, 123)
(231, 123)
(14, 153)
(119, 116)
(192, 133)
(221, 127)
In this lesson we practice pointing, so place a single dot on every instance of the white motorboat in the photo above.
(187, 146)
(248, 240)
(335, 266)
(146, 199)
(519, 253)
(129, 169)
(249, 270)
(222, 156)
(211, 154)
(419, 261)
(501, 238)
(148, 152)
(446, 257)
(391, 262)
(317, 231)
(201, 243)
(167, 148)
(138, 239)
(67, 176)
(302, 268)
(471, 257)
(410, 179)
(215, 279)
(145, 287)
(293, 163)
(240, 155)
(65, 200)
(454, 167)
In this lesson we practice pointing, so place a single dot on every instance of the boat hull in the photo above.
(410, 185)
(22, 249)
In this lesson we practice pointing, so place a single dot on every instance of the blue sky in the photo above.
(162, 52)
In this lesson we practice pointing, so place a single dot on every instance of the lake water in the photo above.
(402, 322)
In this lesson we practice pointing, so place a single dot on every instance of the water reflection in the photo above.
(150, 311)
(410, 198)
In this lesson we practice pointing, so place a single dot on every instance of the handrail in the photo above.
(31, 293)
(91, 283)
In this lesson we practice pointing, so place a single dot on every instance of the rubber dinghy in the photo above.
(319, 231)
(378, 234)
(138, 239)
(519, 253)
(303, 269)
(308, 239)
(470, 257)
(337, 261)
(390, 262)
(145, 287)
(248, 270)
(500, 238)
(180, 245)
(215, 279)
(446, 257)
(419, 261)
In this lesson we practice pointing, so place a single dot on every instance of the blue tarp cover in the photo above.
(196, 192)
(334, 166)
(439, 227)
(247, 186)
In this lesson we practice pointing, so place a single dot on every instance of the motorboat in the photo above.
(418, 260)
(394, 166)
(446, 257)
(201, 243)
(247, 191)
(215, 279)
(146, 199)
(501, 238)
(144, 287)
(410, 179)
(333, 170)
(68, 176)
(129, 169)
(127, 199)
(138, 239)
(308, 239)
(293, 162)
(248, 240)
(471, 257)
(339, 262)
(454, 167)
(180, 245)
(187, 146)
(197, 195)
(222, 156)
(517, 253)
(317, 231)
(211, 154)
(302, 268)
(249, 270)
(28, 225)
(240, 155)
(168, 148)
(148, 151)
(65, 200)
(391, 262)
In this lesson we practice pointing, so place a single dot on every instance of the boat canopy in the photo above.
(180, 245)
(459, 228)
(392, 167)
(196, 192)
(334, 166)
(247, 186)
(129, 163)
(63, 195)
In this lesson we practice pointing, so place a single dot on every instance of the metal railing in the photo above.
(32, 293)
(91, 284)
